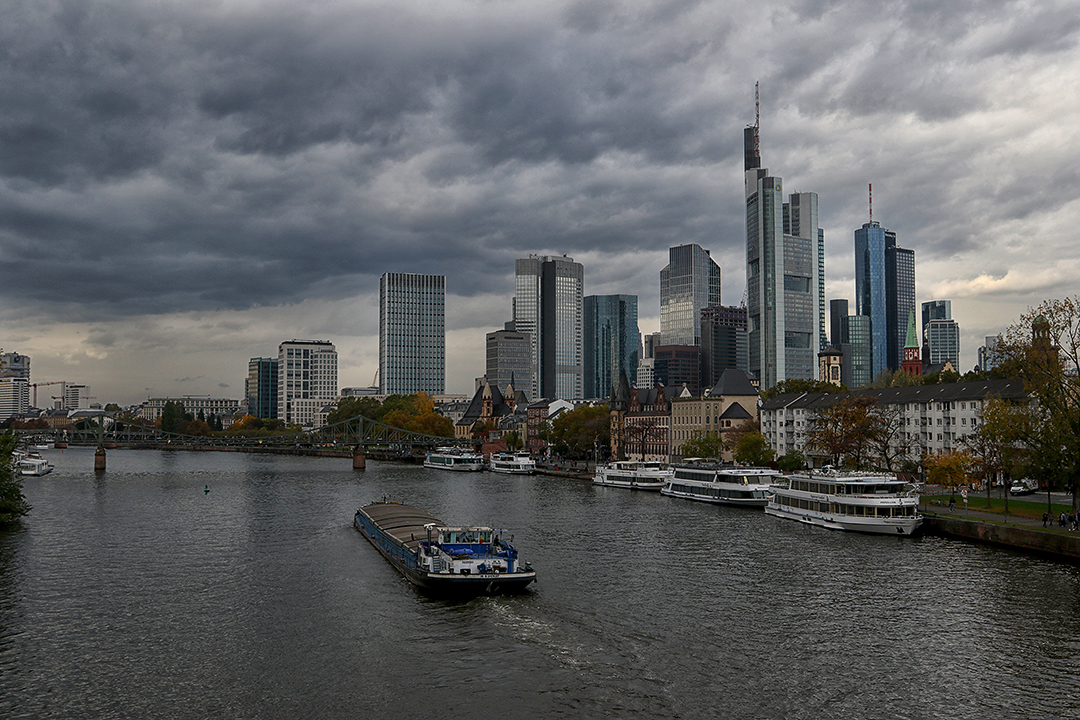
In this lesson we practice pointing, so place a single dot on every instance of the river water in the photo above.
(137, 594)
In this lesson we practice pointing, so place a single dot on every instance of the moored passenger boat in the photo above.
(442, 559)
(724, 485)
(32, 464)
(633, 474)
(877, 503)
(454, 459)
(513, 463)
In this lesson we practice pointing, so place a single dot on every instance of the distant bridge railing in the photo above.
(359, 431)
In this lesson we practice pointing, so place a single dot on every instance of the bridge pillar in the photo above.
(359, 459)
(99, 459)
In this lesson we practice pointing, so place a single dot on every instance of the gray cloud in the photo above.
(162, 160)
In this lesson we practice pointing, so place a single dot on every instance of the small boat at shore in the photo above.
(444, 560)
(724, 485)
(454, 459)
(877, 503)
(512, 463)
(32, 464)
(633, 474)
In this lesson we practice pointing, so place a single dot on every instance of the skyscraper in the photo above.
(509, 358)
(610, 342)
(412, 334)
(899, 297)
(261, 387)
(785, 267)
(688, 284)
(941, 334)
(838, 310)
(307, 379)
(725, 342)
(884, 292)
(857, 344)
(548, 303)
(870, 291)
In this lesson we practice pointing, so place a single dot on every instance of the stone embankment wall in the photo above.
(1062, 545)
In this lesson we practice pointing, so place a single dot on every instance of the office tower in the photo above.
(678, 365)
(856, 346)
(899, 297)
(610, 342)
(76, 397)
(14, 396)
(870, 291)
(688, 284)
(725, 342)
(941, 334)
(261, 387)
(646, 373)
(838, 310)
(412, 334)
(509, 359)
(785, 273)
(307, 380)
(548, 305)
(651, 342)
(784, 279)
(13, 364)
(988, 358)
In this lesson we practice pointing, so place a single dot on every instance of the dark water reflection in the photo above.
(137, 594)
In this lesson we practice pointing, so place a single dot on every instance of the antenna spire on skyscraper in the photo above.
(871, 186)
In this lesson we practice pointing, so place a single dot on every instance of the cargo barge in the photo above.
(444, 560)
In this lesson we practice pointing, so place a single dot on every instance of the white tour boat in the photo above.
(33, 464)
(632, 474)
(454, 459)
(861, 502)
(513, 463)
(742, 486)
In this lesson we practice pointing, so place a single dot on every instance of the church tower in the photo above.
(912, 359)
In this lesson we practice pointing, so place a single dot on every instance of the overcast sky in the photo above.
(183, 186)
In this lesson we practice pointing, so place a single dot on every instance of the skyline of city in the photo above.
(162, 228)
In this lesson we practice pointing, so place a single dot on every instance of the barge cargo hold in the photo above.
(444, 560)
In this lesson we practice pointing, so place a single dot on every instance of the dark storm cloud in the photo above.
(197, 157)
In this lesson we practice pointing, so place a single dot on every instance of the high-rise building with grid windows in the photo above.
(548, 304)
(509, 359)
(261, 387)
(611, 341)
(688, 284)
(412, 334)
(307, 380)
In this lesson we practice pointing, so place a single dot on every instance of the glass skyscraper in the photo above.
(899, 297)
(261, 387)
(509, 358)
(870, 291)
(548, 302)
(412, 334)
(688, 284)
(611, 341)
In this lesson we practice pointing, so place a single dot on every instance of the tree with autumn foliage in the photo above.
(948, 469)
(1043, 349)
(845, 431)
(416, 413)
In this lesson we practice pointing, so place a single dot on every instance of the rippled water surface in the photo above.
(138, 594)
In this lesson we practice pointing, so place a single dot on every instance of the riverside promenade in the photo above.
(1016, 532)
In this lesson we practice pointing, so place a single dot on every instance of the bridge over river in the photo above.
(346, 438)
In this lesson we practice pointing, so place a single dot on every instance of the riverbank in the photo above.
(1013, 531)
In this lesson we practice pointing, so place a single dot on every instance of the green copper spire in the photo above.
(912, 336)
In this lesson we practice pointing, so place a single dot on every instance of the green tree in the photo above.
(350, 407)
(753, 449)
(704, 444)
(578, 433)
(172, 417)
(13, 505)
(513, 440)
(791, 461)
(112, 407)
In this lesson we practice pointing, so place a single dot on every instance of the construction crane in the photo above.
(36, 385)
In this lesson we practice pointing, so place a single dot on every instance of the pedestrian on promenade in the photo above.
(952, 504)
(1046, 516)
